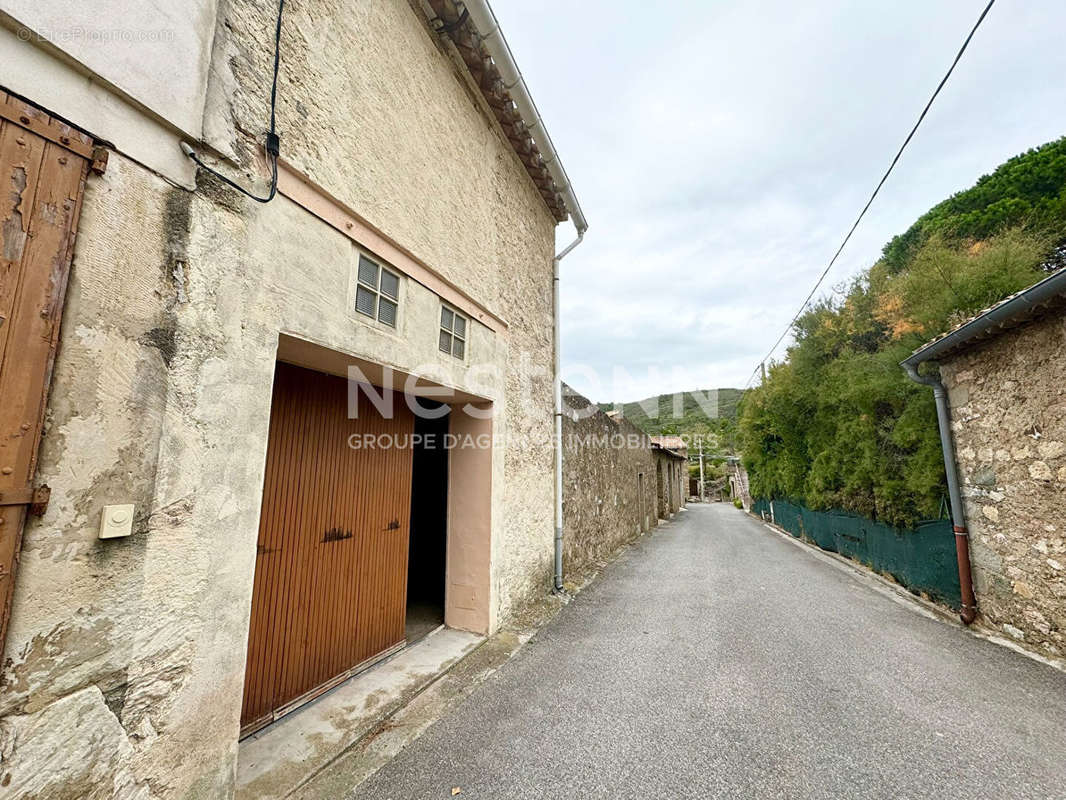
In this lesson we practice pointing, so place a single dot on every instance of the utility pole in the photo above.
(703, 498)
(763, 367)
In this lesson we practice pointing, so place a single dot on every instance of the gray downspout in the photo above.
(958, 515)
(557, 583)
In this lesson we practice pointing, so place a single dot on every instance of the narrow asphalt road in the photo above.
(716, 659)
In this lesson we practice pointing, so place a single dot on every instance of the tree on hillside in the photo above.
(1027, 191)
(837, 424)
(717, 426)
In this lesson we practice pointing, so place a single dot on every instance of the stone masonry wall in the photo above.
(1008, 398)
(602, 505)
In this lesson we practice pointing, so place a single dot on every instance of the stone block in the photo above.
(73, 749)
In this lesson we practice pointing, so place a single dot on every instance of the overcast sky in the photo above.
(721, 150)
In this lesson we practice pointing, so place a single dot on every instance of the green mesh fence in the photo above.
(922, 559)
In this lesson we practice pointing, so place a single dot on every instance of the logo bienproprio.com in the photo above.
(105, 36)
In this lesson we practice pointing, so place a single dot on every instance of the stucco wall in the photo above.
(155, 53)
(602, 506)
(161, 393)
(1008, 398)
(374, 109)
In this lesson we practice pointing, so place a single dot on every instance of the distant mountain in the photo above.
(707, 411)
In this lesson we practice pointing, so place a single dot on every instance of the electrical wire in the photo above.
(273, 141)
(884, 178)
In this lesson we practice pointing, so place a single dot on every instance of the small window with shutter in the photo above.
(453, 327)
(377, 292)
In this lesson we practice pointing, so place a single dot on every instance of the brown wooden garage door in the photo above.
(331, 569)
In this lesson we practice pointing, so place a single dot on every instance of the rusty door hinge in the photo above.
(38, 123)
(35, 498)
(99, 162)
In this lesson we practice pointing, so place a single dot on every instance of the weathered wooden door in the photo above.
(43, 166)
(331, 570)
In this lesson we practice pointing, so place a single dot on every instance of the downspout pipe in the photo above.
(958, 515)
(557, 374)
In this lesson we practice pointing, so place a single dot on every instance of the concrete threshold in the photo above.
(279, 760)
(346, 772)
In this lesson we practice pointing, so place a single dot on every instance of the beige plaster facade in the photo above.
(123, 668)
(1008, 401)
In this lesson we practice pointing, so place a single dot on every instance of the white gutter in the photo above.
(489, 28)
(1043, 291)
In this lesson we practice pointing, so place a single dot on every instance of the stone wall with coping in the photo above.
(1008, 399)
(603, 507)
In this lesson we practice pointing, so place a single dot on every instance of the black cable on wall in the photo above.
(273, 141)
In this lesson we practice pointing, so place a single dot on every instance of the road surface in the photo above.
(717, 659)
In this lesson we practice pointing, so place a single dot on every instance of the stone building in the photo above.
(672, 442)
(213, 436)
(1005, 372)
(671, 479)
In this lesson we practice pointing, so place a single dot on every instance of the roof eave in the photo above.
(508, 100)
(995, 319)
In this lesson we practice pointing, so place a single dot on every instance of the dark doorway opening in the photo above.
(429, 524)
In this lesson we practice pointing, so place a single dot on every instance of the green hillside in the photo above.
(695, 419)
(1027, 190)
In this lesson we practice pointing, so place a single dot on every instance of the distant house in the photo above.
(1005, 372)
(671, 474)
(674, 443)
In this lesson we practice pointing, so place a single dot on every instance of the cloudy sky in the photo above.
(722, 148)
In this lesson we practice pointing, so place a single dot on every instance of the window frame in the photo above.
(453, 337)
(376, 290)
